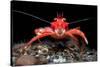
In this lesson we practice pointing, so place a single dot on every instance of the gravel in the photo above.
(50, 53)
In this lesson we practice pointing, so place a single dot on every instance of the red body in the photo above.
(59, 23)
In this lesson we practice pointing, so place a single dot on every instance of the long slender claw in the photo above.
(79, 33)
(38, 37)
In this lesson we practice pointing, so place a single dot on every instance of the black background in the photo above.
(23, 26)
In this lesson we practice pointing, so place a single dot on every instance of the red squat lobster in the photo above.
(58, 30)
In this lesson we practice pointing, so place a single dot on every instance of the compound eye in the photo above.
(55, 19)
(64, 19)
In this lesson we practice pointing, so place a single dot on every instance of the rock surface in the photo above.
(49, 53)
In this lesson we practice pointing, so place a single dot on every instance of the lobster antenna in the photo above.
(59, 15)
(62, 14)
(79, 21)
(32, 16)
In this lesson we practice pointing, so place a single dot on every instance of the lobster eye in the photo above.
(64, 19)
(55, 19)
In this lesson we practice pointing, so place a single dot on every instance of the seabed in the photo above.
(50, 53)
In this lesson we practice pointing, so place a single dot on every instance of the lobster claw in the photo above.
(77, 32)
